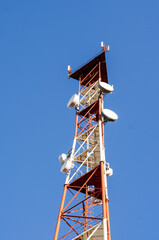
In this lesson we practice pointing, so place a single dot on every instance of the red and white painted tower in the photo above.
(84, 211)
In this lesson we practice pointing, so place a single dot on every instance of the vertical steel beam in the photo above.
(105, 231)
(60, 211)
(102, 165)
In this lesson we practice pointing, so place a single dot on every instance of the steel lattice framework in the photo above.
(85, 209)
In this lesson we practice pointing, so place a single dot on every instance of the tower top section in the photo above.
(86, 71)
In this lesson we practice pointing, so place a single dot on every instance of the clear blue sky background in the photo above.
(38, 39)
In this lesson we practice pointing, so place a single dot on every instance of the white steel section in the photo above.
(73, 154)
(67, 177)
(100, 134)
(98, 234)
(78, 141)
(81, 136)
(88, 91)
(85, 90)
(105, 229)
(94, 93)
(84, 141)
(100, 142)
(83, 163)
(94, 231)
(105, 175)
(73, 149)
(90, 99)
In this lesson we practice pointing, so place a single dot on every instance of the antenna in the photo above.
(74, 100)
(109, 115)
(107, 48)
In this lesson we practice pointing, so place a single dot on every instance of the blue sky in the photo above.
(38, 39)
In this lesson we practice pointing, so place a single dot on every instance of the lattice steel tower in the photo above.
(84, 210)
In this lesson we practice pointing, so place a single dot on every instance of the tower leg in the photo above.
(108, 222)
(59, 215)
(105, 230)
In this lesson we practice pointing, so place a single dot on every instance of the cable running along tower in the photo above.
(84, 211)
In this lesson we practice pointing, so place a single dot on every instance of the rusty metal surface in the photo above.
(85, 69)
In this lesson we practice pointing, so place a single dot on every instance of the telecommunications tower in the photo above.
(84, 211)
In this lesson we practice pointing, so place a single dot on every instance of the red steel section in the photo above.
(92, 109)
(87, 68)
(95, 181)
